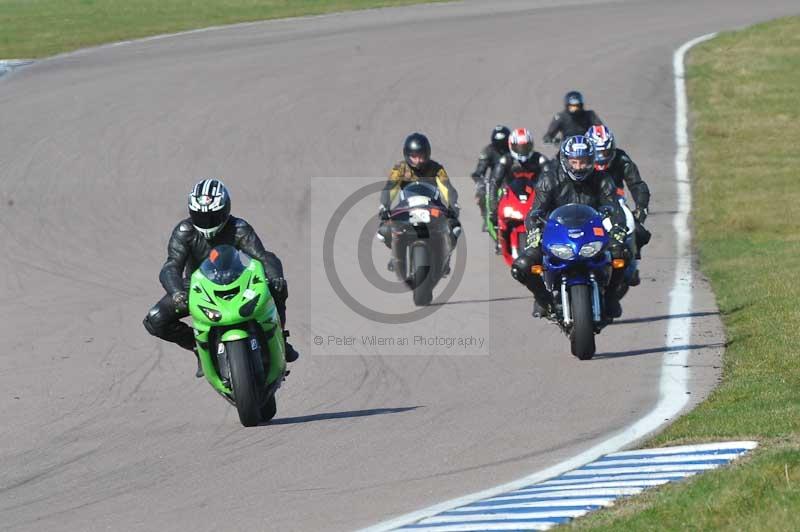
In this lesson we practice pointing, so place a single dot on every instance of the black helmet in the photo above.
(573, 98)
(417, 144)
(209, 207)
(500, 136)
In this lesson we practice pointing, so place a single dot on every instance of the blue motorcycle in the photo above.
(576, 269)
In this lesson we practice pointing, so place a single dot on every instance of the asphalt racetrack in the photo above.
(103, 427)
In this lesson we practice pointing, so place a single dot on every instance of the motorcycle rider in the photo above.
(574, 120)
(617, 163)
(210, 224)
(574, 181)
(486, 161)
(417, 165)
(522, 162)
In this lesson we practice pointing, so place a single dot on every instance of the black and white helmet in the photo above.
(209, 207)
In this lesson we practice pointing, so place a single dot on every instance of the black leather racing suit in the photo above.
(186, 250)
(487, 160)
(507, 169)
(570, 124)
(625, 173)
(553, 190)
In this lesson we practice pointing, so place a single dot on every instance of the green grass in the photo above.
(38, 28)
(744, 92)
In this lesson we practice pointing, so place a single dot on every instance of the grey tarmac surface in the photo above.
(105, 428)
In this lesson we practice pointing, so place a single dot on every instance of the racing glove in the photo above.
(618, 234)
(534, 239)
(278, 285)
(180, 300)
(640, 214)
(383, 213)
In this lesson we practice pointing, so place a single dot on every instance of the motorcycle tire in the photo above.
(581, 335)
(243, 382)
(422, 276)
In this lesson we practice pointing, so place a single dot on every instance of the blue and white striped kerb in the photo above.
(6, 65)
(597, 484)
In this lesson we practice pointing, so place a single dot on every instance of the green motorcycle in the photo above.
(490, 226)
(238, 332)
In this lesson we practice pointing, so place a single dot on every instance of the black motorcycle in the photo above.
(422, 239)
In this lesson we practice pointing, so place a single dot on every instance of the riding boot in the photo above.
(290, 352)
(643, 237)
(613, 306)
(543, 305)
(199, 373)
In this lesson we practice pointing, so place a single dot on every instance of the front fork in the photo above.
(595, 298)
(565, 305)
(565, 302)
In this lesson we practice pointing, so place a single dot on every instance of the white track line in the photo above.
(673, 385)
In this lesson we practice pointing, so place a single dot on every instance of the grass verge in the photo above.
(745, 111)
(38, 28)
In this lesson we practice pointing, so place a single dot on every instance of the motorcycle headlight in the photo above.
(591, 249)
(511, 212)
(213, 315)
(562, 251)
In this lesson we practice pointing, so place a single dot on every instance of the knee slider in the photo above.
(521, 267)
(151, 322)
(385, 234)
(620, 252)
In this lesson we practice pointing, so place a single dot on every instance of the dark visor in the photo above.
(208, 220)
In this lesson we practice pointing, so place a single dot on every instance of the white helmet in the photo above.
(209, 207)
(520, 144)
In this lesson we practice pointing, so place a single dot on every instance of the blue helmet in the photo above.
(577, 157)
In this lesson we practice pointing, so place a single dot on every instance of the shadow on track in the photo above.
(665, 317)
(339, 415)
(491, 300)
(652, 350)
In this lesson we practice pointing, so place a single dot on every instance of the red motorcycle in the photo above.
(515, 202)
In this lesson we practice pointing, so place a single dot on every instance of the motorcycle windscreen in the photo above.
(419, 194)
(522, 188)
(574, 216)
(224, 265)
